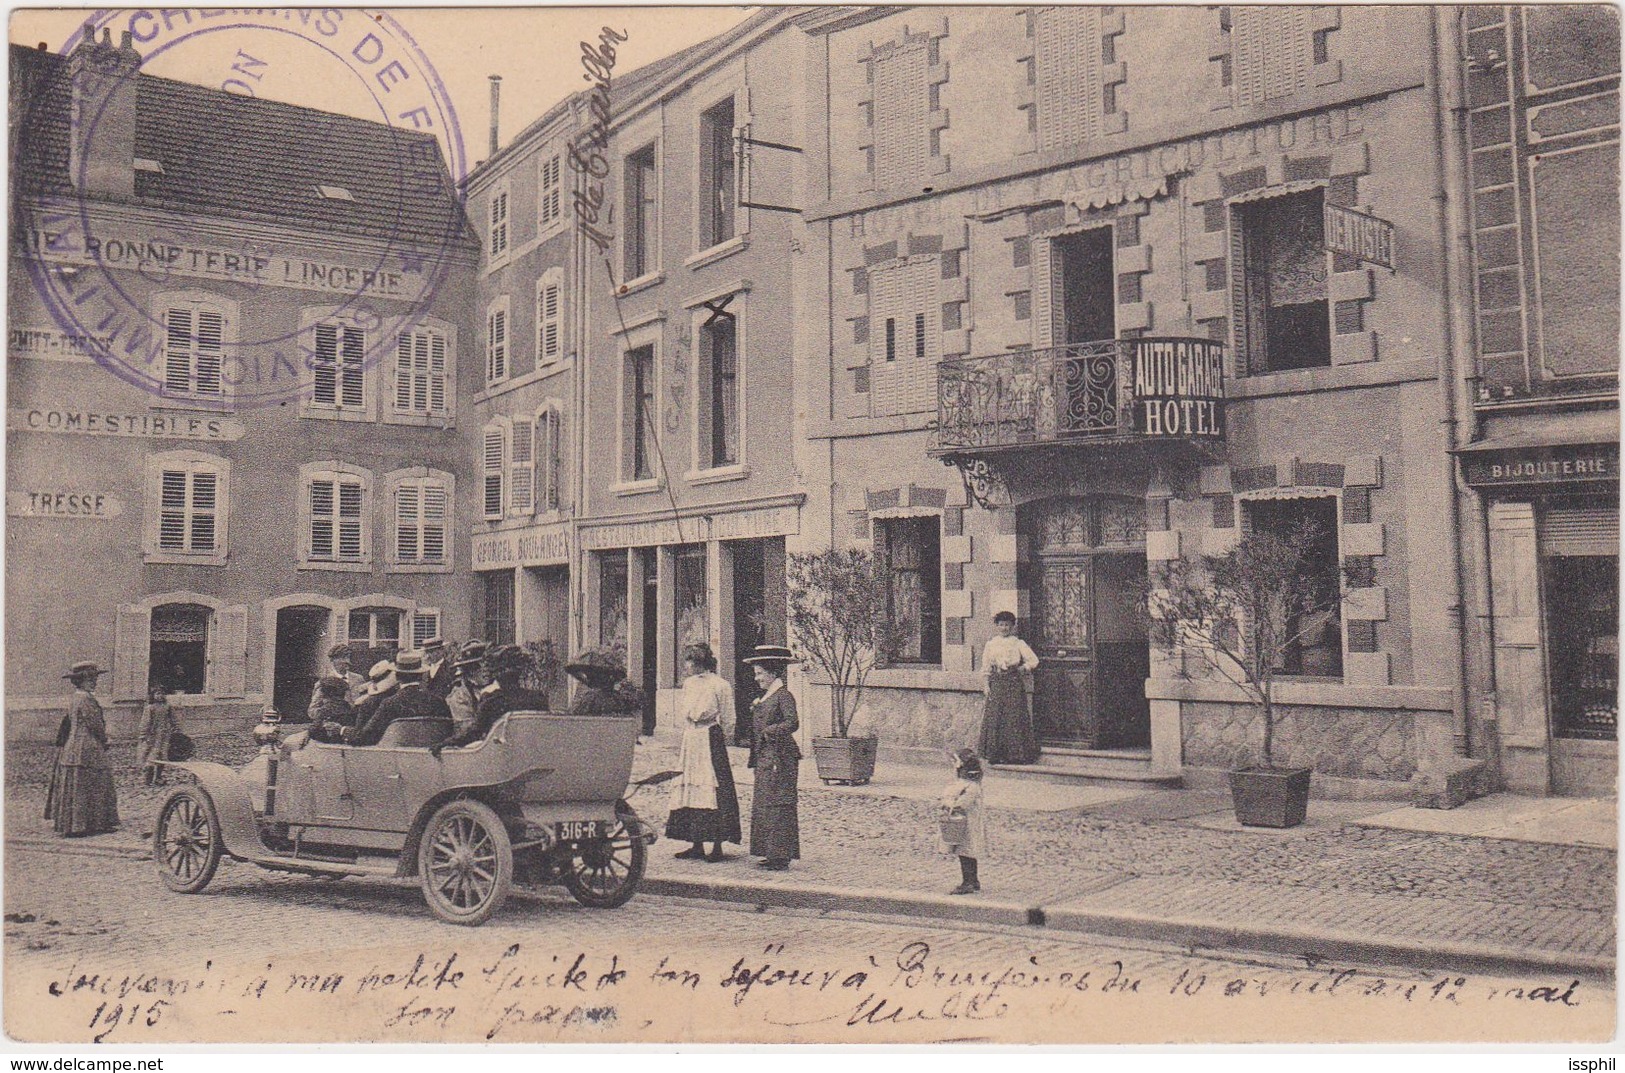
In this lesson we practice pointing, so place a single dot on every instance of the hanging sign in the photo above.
(1367, 237)
(1178, 387)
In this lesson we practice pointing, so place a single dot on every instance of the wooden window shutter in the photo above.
(178, 351)
(1066, 52)
(552, 459)
(326, 366)
(211, 336)
(322, 508)
(132, 650)
(1046, 293)
(434, 523)
(492, 462)
(522, 456)
(1271, 49)
(353, 369)
(408, 515)
(228, 670)
(902, 102)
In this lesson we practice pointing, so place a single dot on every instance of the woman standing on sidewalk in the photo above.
(81, 799)
(775, 827)
(704, 803)
(1007, 730)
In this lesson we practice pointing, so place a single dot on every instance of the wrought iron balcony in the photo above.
(1110, 389)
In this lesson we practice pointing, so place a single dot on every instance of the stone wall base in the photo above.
(1324, 787)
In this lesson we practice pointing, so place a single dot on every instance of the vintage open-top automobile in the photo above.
(539, 801)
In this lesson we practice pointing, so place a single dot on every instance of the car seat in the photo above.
(416, 732)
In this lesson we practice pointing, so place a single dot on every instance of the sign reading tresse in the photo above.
(1178, 387)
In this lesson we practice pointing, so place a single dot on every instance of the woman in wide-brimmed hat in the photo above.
(81, 799)
(704, 803)
(775, 826)
(606, 692)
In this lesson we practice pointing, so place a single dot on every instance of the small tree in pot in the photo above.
(837, 620)
(1243, 615)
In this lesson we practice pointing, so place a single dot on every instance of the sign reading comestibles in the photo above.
(149, 426)
(1178, 387)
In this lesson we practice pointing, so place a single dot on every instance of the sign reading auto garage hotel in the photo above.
(1178, 387)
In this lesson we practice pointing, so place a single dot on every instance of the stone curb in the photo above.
(71, 848)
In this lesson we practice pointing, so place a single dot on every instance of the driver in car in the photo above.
(511, 665)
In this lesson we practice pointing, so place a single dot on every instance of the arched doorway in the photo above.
(1085, 570)
(300, 654)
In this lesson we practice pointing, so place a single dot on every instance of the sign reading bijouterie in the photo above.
(538, 546)
(1178, 387)
(1369, 238)
(1544, 465)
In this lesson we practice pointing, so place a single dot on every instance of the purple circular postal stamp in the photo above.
(238, 215)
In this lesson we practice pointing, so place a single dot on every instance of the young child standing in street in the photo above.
(963, 826)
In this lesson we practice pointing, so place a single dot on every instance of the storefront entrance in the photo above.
(301, 648)
(1085, 571)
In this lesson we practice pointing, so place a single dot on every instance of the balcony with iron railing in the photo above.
(1112, 390)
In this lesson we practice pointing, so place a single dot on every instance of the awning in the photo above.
(1554, 430)
(1554, 449)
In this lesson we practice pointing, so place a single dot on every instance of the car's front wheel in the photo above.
(466, 862)
(186, 843)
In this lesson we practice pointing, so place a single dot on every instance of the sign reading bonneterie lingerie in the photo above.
(1178, 387)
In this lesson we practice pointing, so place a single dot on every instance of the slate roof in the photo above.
(246, 158)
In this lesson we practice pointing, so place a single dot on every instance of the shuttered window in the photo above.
(337, 518)
(549, 464)
(549, 201)
(905, 319)
(420, 522)
(425, 626)
(549, 317)
(421, 373)
(499, 222)
(194, 350)
(496, 341)
(1067, 74)
(338, 367)
(188, 510)
(901, 112)
(522, 468)
(492, 457)
(1271, 50)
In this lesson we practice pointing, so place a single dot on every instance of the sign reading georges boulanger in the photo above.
(1370, 238)
(536, 546)
(1544, 465)
(1178, 387)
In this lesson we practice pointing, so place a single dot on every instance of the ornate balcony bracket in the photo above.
(983, 484)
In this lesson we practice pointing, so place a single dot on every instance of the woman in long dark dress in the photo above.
(775, 827)
(81, 799)
(1007, 729)
(704, 803)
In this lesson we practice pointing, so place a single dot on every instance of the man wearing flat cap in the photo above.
(339, 657)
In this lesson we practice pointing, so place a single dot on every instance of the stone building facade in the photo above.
(234, 379)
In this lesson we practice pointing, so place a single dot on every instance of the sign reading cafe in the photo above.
(1178, 387)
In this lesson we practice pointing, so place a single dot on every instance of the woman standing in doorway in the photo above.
(1007, 730)
(704, 803)
(81, 799)
(775, 827)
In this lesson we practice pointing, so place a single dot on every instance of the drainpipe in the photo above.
(1455, 358)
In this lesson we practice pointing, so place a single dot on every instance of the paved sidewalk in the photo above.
(1502, 884)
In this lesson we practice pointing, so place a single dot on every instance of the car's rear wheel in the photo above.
(466, 861)
(605, 873)
(186, 843)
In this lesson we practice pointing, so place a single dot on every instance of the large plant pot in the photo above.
(845, 760)
(1270, 797)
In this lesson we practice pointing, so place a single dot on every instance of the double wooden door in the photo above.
(1084, 578)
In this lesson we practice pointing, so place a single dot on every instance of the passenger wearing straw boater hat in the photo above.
(411, 701)
(775, 826)
(81, 799)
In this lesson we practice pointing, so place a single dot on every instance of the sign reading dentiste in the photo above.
(1370, 238)
(1178, 387)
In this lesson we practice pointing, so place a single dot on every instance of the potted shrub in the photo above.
(837, 619)
(1242, 615)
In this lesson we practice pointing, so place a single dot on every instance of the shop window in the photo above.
(1317, 650)
(499, 223)
(1579, 546)
(717, 174)
(901, 112)
(612, 600)
(638, 383)
(373, 633)
(693, 621)
(498, 592)
(549, 202)
(493, 460)
(641, 208)
(1281, 266)
(422, 506)
(549, 317)
(337, 519)
(910, 554)
(905, 335)
(194, 350)
(178, 654)
(496, 341)
(719, 385)
(338, 367)
(422, 374)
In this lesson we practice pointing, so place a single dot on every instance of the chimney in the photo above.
(101, 140)
(496, 99)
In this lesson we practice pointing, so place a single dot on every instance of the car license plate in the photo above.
(579, 830)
